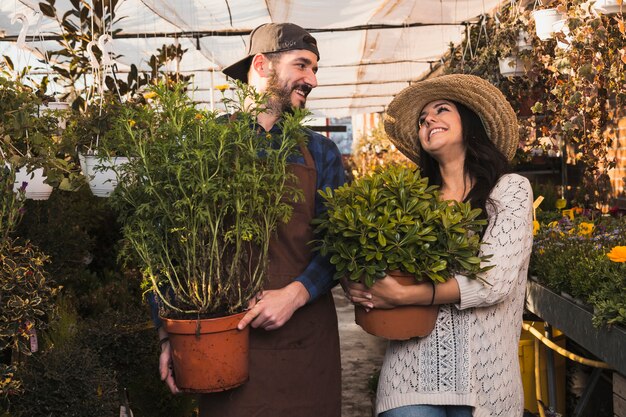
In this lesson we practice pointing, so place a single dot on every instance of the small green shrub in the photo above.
(393, 220)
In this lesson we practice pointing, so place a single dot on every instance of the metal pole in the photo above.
(550, 369)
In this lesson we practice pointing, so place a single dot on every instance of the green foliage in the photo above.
(570, 256)
(126, 344)
(28, 136)
(11, 203)
(572, 92)
(27, 294)
(202, 196)
(80, 233)
(393, 220)
(67, 381)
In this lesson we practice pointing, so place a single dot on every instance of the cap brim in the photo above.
(239, 70)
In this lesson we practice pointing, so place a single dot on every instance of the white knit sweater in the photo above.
(471, 357)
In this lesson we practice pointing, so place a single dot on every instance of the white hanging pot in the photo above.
(511, 66)
(101, 174)
(607, 7)
(523, 41)
(561, 26)
(544, 19)
(36, 188)
(54, 106)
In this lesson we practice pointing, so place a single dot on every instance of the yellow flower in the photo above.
(198, 116)
(585, 229)
(569, 213)
(149, 95)
(617, 254)
(132, 123)
(535, 227)
(553, 224)
(222, 87)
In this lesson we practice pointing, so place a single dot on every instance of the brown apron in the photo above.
(295, 371)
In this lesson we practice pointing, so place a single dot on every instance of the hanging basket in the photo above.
(54, 106)
(561, 26)
(523, 41)
(208, 355)
(607, 7)
(399, 323)
(544, 19)
(101, 174)
(511, 66)
(36, 188)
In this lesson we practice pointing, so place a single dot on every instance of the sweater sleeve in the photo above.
(508, 239)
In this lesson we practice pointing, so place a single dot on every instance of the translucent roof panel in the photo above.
(370, 49)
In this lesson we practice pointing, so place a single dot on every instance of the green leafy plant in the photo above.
(393, 220)
(572, 90)
(570, 256)
(27, 294)
(202, 197)
(29, 136)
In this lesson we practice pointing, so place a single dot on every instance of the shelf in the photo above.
(575, 321)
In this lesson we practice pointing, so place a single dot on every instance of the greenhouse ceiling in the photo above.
(370, 49)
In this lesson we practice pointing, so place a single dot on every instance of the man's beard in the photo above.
(279, 95)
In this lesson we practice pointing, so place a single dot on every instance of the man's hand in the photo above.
(165, 368)
(273, 308)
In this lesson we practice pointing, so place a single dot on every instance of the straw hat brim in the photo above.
(497, 115)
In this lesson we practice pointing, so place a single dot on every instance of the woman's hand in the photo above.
(385, 293)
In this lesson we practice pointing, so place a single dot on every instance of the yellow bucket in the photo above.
(527, 368)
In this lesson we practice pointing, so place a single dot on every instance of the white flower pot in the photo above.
(101, 174)
(607, 7)
(544, 19)
(561, 26)
(54, 106)
(36, 189)
(523, 41)
(511, 66)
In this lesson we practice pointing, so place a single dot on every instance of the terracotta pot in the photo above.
(208, 355)
(400, 323)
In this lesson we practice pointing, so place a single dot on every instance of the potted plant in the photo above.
(512, 41)
(393, 221)
(545, 20)
(29, 143)
(88, 129)
(200, 199)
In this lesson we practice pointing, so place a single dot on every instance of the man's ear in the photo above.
(261, 65)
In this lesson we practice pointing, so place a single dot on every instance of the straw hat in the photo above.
(477, 94)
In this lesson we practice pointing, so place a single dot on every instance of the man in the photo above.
(295, 368)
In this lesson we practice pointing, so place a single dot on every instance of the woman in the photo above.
(461, 132)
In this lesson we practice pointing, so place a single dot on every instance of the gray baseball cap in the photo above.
(272, 37)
